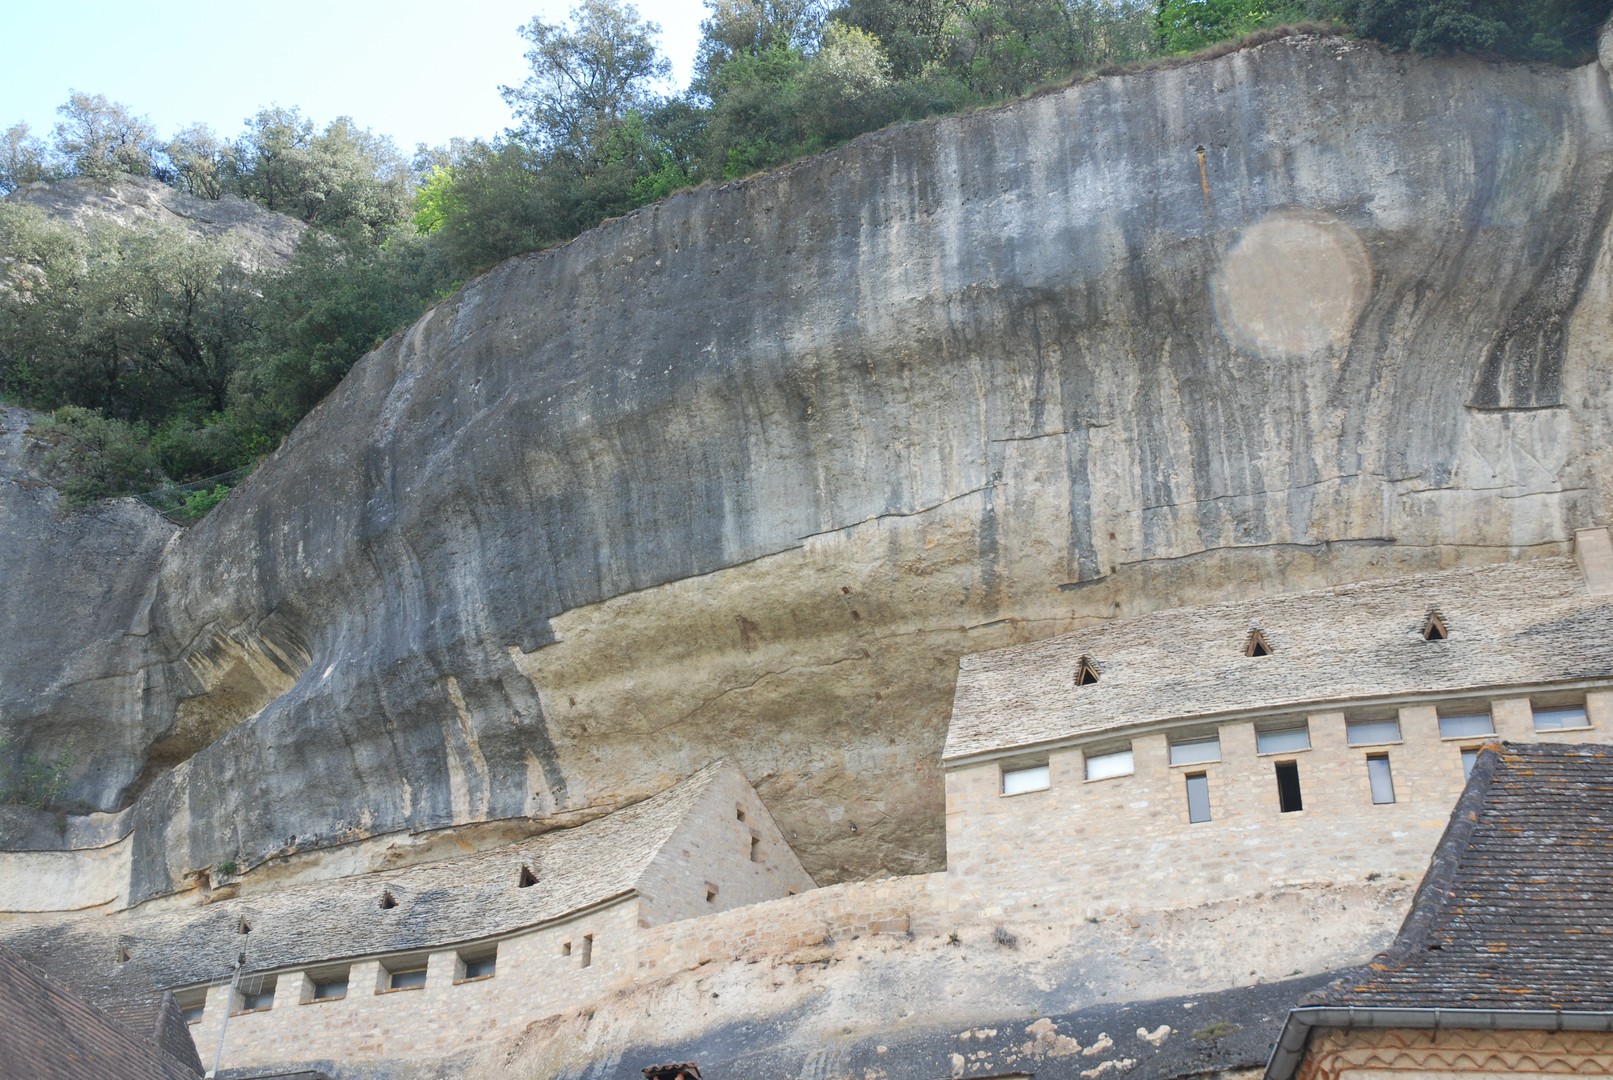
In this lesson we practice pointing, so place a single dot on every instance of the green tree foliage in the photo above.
(200, 162)
(1189, 25)
(98, 137)
(92, 456)
(333, 178)
(22, 158)
(749, 28)
(1560, 31)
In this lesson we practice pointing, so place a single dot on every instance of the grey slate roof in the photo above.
(437, 904)
(1516, 911)
(49, 1033)
(1519, 623)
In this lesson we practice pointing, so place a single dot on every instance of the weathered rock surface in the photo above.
(743, 473)
(265, 238)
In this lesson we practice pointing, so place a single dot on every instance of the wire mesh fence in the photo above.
(187, 503)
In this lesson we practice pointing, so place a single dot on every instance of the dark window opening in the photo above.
(1256, 645)
(123, 954)
(1288, 797)
(193, 1013)
(739, 812)
(527, 878)
(1434, 628)
(388, 900)
(1085, 673)
(587, 950)
(1198, 797)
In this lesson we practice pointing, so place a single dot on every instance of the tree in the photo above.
(586, 75)
(340, 176)
(1562, 31)
(912, 32)
(22, 158)
(202, 163)
(751, 27)
(1189, 25)
(98, 137)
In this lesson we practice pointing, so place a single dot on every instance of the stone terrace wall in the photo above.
(537, 976)
(901, 905)
(1087, 846)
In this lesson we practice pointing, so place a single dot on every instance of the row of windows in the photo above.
(400, 973)
(1294, 735)
(1380, 778)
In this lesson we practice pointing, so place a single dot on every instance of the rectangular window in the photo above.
(1030, 778)
(1561, 718)
(1465, 725)
(1383, 782)
(1288, 797)
(329, 987)
(480, 963)
(256, 999)
(1114, 763)
(411, 978)
(192, 1013)
(192, 1004)
(587, 950)
(1367, 732)
(1470, 757)
(1196, 751)
(1198, 797)
(1283, 740)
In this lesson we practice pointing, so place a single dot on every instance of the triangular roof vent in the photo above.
(1257, 644)
(1434, 628)
(1086, 673)
(527, 878)
(387, 899)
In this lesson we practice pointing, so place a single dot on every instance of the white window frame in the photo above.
(1110, 764)
(1561, 711)
(1351, 727)
(1455, 730)
(1024, 779)
(1276, 731)
(1189, 751)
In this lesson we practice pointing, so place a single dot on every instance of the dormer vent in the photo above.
(527, 878)
(388, 901)
(1434, 628)
(243, 927)
(1086, 673)
(1256, 645)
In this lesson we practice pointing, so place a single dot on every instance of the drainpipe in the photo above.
(229, 1007)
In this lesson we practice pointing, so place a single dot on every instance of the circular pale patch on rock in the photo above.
(1293, 285)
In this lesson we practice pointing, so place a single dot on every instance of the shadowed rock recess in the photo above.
(743, 473)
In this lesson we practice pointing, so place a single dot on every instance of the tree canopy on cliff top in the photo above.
(168, 362)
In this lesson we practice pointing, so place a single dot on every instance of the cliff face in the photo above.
(743, 473)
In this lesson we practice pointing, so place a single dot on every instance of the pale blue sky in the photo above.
(417, 70)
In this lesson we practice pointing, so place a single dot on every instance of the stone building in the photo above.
(435, 959)
(1207, 753)
(1505, 963)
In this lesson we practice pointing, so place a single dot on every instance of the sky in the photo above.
(421, 71)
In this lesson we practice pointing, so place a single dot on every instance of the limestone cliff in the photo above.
(743, 474)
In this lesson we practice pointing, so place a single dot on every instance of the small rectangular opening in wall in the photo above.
(587, 950)
(1284, 738)
(1561, 718)
(406, 973)
(327, 984)
(1376, 730)
(755, 848)
(477, 963)
(1019, 779)
(1198, 797)
(739, 812)
(565, 948)
(1196, 751)
(1288, 796)
(192, 1004)
(711, 893)
(1109, 764)
(1381, 779)
(255, 994)
(1465, 724)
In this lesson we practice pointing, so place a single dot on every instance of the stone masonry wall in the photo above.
(1125, 843)
(727, 853)
(1412, 1054)
(538, 974)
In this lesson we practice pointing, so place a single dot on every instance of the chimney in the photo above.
(1593, 551)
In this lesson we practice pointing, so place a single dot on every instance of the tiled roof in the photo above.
(1519, 623)
(1516, 911)
(159, 1018)
(48, 1033)
(435, 904)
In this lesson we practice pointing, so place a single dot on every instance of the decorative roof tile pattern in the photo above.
(47, 1033)
(1512, 624)
(1516, 911)
(434, 905)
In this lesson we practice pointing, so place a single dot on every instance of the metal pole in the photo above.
(229, 1007)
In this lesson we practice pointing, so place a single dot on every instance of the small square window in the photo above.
(333, 988)
(256, 996)
(1284, 739)
(1198, 797)
(1381, 779)
(192, 1004)
(1196, 751)
(406, 978)
(479, 963)
(1561, 718)
(1029, 778)
(1367, 732)
(193, 1013)
(1114, 763)
(1465, 725)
